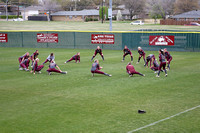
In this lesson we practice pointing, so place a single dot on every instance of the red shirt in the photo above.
(130, 68)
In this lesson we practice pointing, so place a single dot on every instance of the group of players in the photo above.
(164, 55)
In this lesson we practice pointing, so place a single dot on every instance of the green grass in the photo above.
(77, 102)
(88, 26)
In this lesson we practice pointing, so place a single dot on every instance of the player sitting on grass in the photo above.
(22, 58)
(36, 67)
(150, 58)
(131, 70)
(168, 57)
(75, 57)
(127, 51)
(162, 63)
(50, 58)
(34, 56)
(25, 64)
(141, 54)
(95, 69)
(98, 51)
(52, 68)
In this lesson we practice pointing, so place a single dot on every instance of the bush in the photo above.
(10, 16)
(90, 19)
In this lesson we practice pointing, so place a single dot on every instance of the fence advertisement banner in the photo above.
(3, 37)
(47, 38)
(103, 39)
(161, 40)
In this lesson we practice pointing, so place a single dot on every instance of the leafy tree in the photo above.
(105, 12)
(182, 6)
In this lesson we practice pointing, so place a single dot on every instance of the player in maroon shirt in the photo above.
(75, 57)
(162, 62)
(23, 57)
(150, 58)
(34, 56)
(50, 58)
(36, 67)
(131, 70)
(141, 54)
(95, 69)
(52, 68)
(127, 51)
(168, 57)
(98, 51)
(25, 64)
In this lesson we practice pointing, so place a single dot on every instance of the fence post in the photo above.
(47, 41)
(74, 40)
(22, 39)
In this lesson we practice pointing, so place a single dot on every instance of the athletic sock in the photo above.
(123, 57)
(92, 58)
(165, 71)
(131, 58)
(106, 74)
(158, 72)
(141, 74)
(168, 66)
(139, 59)
(102, 57)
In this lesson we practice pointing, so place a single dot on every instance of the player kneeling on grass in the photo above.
(95, 69)
(75, 57)
(162, 63)
(52, 68)
(36, 67)
(34, 56)
(131, 70)
(25, 64)
(50, 58)
(98, 50)
(22, 58)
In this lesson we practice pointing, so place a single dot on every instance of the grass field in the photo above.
(78, 102)
(88, 26)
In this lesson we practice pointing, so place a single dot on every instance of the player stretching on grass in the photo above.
(126, 52)
(50, 58)
(36, 67)
(98, 51)
(75, 57)
(131, 70)
(34, 56)
(52, 68)
(95, 69)
(168, 57)
(22, 58)
(155, 66)
(25, 64)
(150, 58)
(162, 63)
(141, 54)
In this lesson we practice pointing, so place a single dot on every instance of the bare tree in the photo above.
(186, 5)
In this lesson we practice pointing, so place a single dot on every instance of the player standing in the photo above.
(98, 51)
(75, 57)
(36, 67)
(50, 58)
(168, 57)
(95, 69)
(25, 64)
(34, 56)
(131, 70)
(162, 63)
(127, 51)
(141, 54)
(52, 68)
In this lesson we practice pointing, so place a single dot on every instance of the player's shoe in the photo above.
(64, 72)
(157, 76)
(141, 111)
(49, 73)
(131, 75)
(92, 74)
(110, 75)
(26, 69)
(165, 75)
(20, 68)
(122, 60)
(156, 72)
(143, 75)
(39, 72)
(137, 62)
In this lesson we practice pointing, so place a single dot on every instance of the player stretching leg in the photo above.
(34, 56)
(150, 58)
(95, 69)
(98, 51)
(126, 52)
(75, 57)
(131, 70)
(52, 68)
(22, 58)
(168, 57)
(162, 63)
(50, 58)
(25, 64)
(141, 54)
(36, 67)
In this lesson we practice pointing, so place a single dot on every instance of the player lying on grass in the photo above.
(34, 56)
(25, 64)
(168, 57)
(36, 67)
(50, 58)
(22, 58)
(127, 51)
(141, 54)
(98, 51)
(52, 68)
(150, 58)
(162, 63)
(75, 57)
(95, 69)
(131, 70)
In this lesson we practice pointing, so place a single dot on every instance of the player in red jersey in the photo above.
(141, 54)
(168, 57)
(34, 56)
(52, 68)
(36, 67)
(162, 62)
(131, 70)
(25, 64)
(127, 51)
(98, 51)
(23, 57)
(95, 69)
(75, 57)
(150, 58)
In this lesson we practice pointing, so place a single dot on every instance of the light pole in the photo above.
(6, 10)
(110, 14)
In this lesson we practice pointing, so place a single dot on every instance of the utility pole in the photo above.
(110, 14)
(102, 16)
(6, 10)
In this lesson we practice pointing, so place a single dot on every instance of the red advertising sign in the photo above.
(47, 38)
(102, 39)
(161, 40)
(3, 37)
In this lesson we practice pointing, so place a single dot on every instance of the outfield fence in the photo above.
(182, 41)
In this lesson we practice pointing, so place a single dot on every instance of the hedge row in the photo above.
(10, 16)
